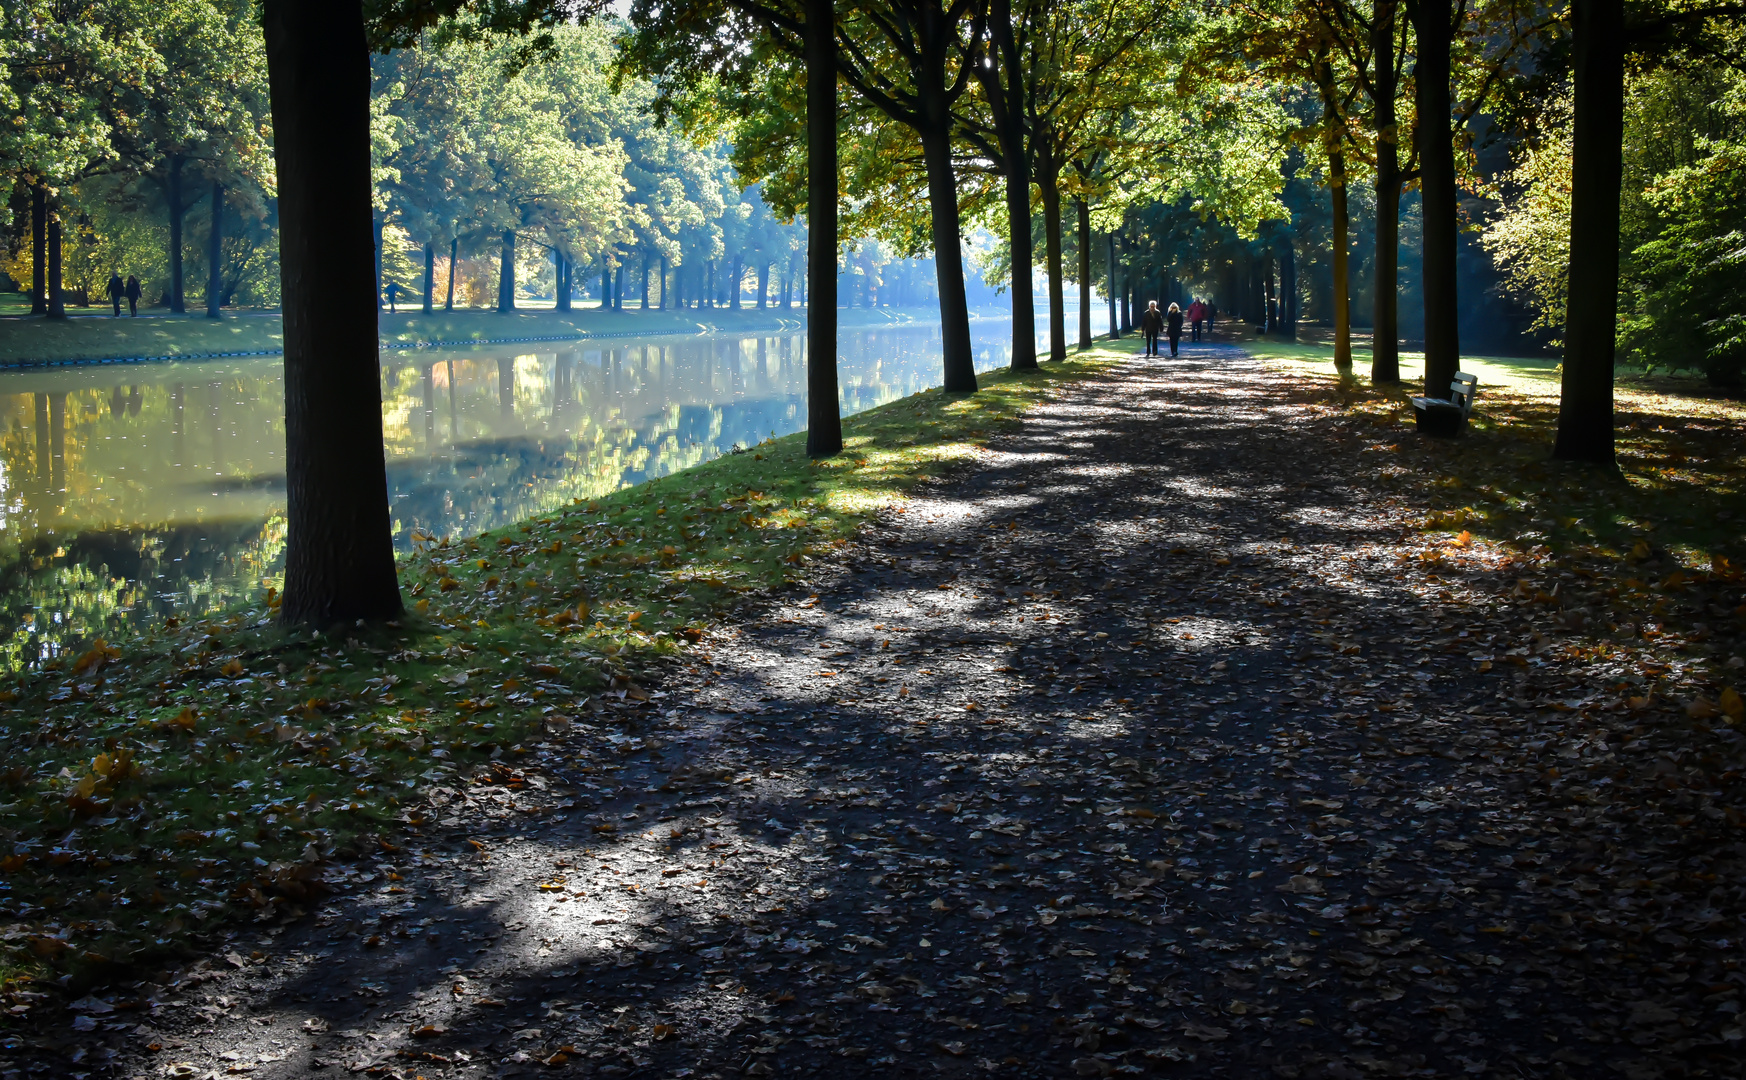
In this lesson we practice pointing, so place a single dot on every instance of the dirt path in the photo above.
(1139, 748)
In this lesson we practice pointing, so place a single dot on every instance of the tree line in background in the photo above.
(1224, 148)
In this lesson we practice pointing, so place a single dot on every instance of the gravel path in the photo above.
(1144, 746)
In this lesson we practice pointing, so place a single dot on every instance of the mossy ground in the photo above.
(159, 787)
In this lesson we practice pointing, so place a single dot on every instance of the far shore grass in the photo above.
(96, 335)
(160, 788)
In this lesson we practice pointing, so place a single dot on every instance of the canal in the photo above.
(129, 493)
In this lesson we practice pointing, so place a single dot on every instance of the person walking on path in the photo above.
(1212, 312)
(1150, 324)
(132, 296)
(393, 295)
(1175, 317)
(116, 290)
(1196, 312)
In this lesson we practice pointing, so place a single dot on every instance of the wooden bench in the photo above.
(1447, 416)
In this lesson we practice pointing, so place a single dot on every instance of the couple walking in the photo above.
(128, 290)
(1155, 322)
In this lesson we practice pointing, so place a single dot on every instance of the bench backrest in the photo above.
(1463, 390)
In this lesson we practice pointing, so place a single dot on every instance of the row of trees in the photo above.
(907, 120)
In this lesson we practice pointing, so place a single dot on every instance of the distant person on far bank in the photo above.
(1175, 317)
(1196, 312)
(117, 289)
(1151, 324)
(133, 292)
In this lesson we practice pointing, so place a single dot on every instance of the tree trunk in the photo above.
(960, 364)
(1115, 326)
(454, 249)
(643, 300)
(506, 274)
(39, 250)
(1333, 143)
(1434, 24)
(1082, 219)
(618, 287)
(1288, 292)
(824, 423)
(377, 224)
(173, 192)
(215, 254)
(339, 561)
(429, 277)
(735, 279)
(57, 307)
(663, 305)
(1385, 318)
(1047, 179)
(1585, 410)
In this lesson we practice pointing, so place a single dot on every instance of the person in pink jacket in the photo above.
(1196, 312)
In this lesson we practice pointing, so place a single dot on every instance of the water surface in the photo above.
(135, 492)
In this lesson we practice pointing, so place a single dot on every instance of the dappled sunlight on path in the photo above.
(1143, 745)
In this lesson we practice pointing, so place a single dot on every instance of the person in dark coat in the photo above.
(1151, 323)
(1175, 318)
(1212, 312)
(116, 290)
(132, 296)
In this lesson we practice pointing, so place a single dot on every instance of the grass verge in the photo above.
(158, 788)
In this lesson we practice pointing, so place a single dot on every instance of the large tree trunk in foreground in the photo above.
(429, 278)
(1585, 411)
(960, 364)
(1046, 182)
(1385, 319)
(1342, 285)
(454, 249)
(215, 253)
(57, 307)
(506, 274)
(824, 422)
(1433, 20)
(339, 560)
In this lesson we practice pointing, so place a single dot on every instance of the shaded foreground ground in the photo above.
(1157, 742)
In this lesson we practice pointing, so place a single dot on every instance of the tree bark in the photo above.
(39, 250)
(506, 274)
(960, 365)
(57, 307)
(1434, 24)
(735, 280)
(429, 277)
(454, 249)
(339, 561)
(1333, 141)
(1047, 179)
(1115, 326)
(1082, 219)
(173, 193)
(215, 254)
(643, 300)
(663, 304)
(1585, 409)
(618, 287)
(824, 422)
(377, 224)
(1288, 291)
(1385, 317)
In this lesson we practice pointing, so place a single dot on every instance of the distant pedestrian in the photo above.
(1196, 312)
(1175, 317)
(1150, 324)
(116, 290)
(132, 296)
(1212, 312)
(393, 295)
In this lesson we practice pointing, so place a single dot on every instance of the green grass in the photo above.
(92, 336)
(161, 787)
(1500, 371)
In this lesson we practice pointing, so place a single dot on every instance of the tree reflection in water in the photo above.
(107, 515)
